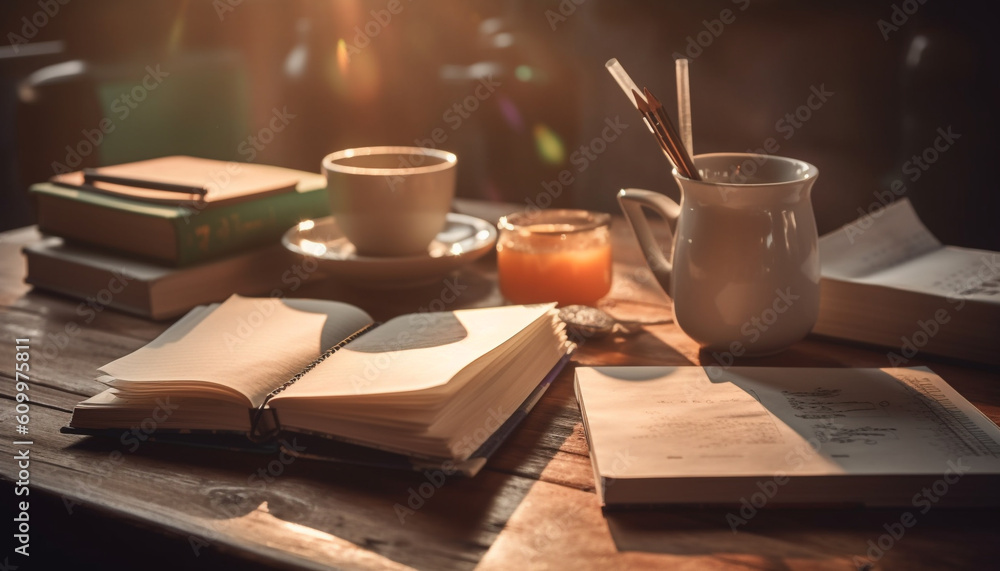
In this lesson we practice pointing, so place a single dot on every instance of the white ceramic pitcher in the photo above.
(742, 265)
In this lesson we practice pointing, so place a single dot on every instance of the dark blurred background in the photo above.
(515, 88)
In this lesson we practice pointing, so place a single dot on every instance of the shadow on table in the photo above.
(806, 533)
(800, 354)
(430, 519)
(471, 287)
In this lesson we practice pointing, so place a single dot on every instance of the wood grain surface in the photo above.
(533, 507)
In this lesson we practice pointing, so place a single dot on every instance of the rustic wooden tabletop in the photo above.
(533, 507)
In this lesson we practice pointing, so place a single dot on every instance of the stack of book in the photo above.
(159, 237)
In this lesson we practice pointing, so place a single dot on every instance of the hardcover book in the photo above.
(250, 212)
(888, 281)
(426, 388)
(154, 291)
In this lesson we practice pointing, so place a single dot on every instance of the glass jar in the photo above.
(555, 255)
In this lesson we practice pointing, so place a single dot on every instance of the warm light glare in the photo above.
(177, 31)
(312, 248)
(549, 146)
(343, 57)
(306, 225)
(503, 40)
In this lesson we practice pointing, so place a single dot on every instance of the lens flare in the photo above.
(510, 112)
(343, 58)
(549, 146)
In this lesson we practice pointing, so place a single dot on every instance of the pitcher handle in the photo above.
(632, 200)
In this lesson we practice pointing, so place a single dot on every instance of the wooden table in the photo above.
(533, 507)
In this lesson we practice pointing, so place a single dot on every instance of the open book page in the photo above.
(875, 243)
(749, 421)
(413, 352)
(947, 272)
(246, 345)
(896, 250)
(110, 409)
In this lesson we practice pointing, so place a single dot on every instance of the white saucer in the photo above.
(463, 240)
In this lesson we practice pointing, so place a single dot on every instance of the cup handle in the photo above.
(632, 200)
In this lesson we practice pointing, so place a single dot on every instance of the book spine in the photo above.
(264, 423)
(215, 232)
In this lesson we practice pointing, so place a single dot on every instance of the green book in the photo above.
(180, 234)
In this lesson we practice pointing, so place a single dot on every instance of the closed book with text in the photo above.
(785, 436)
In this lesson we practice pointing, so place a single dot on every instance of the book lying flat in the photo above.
(221, 182)
(888, 281)
(176, 231)
(785, 437)
(431, 386)
(151, 290)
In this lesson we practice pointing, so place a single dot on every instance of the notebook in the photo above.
(434, 386)
(767, 436)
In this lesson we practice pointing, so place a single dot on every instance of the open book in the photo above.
(888, 281)
(433, 386)
(786, 436)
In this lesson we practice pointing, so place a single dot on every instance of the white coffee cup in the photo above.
(390, 201)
